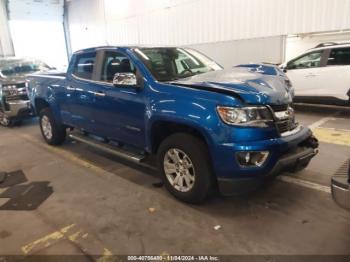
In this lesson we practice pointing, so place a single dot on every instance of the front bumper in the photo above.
(18, 109)
(293, 159)
(341, 189)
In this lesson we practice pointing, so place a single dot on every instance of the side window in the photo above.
(310, 60)
(339, 56)
(84, 65)
(115, 62)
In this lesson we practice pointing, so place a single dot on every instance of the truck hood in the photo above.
(250, 87)
(19, 78)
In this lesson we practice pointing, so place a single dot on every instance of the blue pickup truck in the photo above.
(208, 127)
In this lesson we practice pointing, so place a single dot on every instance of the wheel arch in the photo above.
(40, 104)
(161, 129)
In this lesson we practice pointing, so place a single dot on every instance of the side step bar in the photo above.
(114, 150)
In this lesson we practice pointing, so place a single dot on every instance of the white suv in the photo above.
(321, 75)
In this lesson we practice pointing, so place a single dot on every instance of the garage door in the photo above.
(37, 30)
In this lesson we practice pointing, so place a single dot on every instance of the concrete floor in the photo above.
(74, 200)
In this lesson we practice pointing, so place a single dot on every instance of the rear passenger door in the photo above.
(120, 110)
(81, 90)
(334, 78)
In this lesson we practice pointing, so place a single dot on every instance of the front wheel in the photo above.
(5, 120)
(53, 132)
(185, 166)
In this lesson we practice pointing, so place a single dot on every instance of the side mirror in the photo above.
(125, 79)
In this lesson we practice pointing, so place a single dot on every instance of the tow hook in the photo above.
(311, 142)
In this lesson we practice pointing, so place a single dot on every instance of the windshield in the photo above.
(19, 67)
(168, 64)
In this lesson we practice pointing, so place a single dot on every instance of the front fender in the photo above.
(199, 116)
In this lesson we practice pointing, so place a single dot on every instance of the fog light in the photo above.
(252, 158)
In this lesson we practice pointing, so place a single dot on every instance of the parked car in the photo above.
(341, 186)
(321, 75)
(14, 101)
(207, 126)
(270, 69)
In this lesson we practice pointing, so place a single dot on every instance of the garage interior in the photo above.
(77, 200)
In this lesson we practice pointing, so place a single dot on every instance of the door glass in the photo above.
(339, 56)
(115, 62)
(310, 60)
(84, 65)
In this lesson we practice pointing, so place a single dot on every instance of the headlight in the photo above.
(245, 116)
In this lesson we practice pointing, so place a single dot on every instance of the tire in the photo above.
(198, 179)
(53, 131)
(4, 120)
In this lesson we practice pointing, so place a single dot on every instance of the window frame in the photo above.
(93, 74)
(329, 54)
(102, 56)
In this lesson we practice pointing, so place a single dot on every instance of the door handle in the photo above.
(311, 75)
(69, 88)
(99, 93)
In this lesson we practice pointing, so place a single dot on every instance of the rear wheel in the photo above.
(53, 132)
(185, 165)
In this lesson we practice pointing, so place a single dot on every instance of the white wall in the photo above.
(230, 53)
(86, 23)
(37, 30)
(190, 22)
(6, 48)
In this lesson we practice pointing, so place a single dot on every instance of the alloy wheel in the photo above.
(179, 170)
(46, 127)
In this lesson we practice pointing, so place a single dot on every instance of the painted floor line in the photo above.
(47, 240)
(332, 136)
(67, 155)
(304, 183)
(323, 120)
(336, 129)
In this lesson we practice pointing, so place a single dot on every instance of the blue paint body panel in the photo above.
(128, 114)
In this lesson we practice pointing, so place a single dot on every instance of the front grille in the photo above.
(17, 85)
(17, 97)
(279, 108)
(286, 125)
(21, 85)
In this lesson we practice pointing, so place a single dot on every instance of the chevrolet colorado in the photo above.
(207, 126)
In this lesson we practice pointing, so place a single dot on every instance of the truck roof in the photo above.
(91, 49)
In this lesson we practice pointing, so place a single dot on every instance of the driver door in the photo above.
(304, 73)
(120, 110)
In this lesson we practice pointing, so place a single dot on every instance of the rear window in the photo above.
(339, 56)
(84, 65)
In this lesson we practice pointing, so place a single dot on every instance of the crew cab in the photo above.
(321, 75)
(14, 101)
(208, 127)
